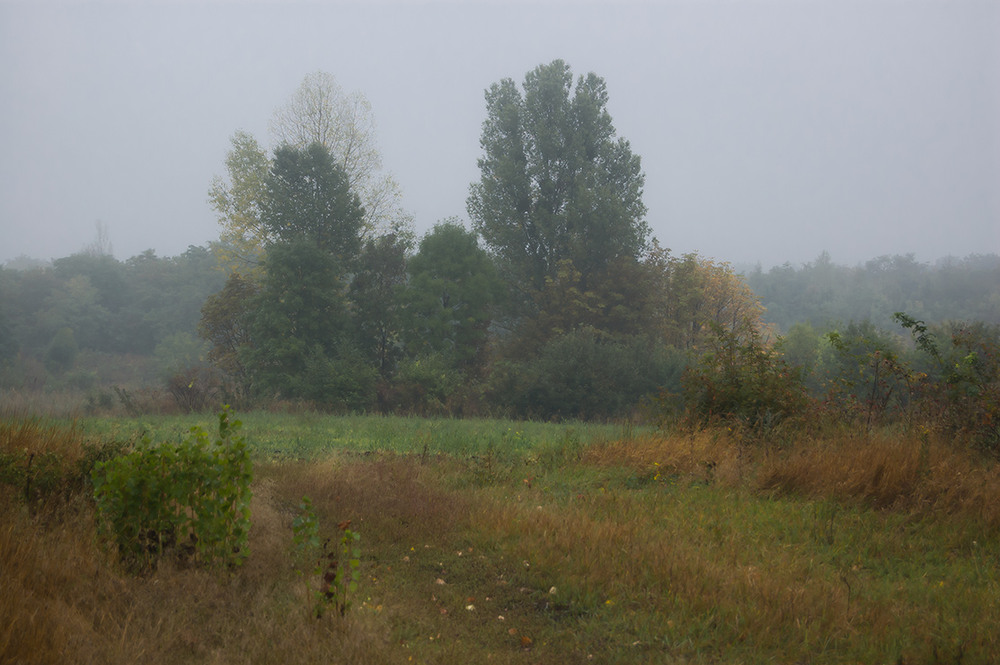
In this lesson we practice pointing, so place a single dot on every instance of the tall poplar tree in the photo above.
(556, 182)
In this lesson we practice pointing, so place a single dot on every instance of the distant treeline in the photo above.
(90, 321)
(824, 294)
(89, 305)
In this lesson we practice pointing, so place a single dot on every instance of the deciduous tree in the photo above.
(308, 197)
(238, 201)
(298, 320)
(696, 294)
(453, 286)
(375, 295)
(318, 112)
(225, 323)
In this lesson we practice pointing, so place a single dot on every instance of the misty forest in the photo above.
(858, 400)
(557, 304)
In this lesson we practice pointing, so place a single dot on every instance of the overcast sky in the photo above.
(768, 131)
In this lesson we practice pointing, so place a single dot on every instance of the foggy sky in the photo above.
(768, 131)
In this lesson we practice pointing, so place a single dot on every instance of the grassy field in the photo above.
(502, 542)
(287, 437)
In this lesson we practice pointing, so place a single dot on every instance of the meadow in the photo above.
(512, 542)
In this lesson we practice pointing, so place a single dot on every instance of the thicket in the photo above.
(943, 379)
(429, 330)
(741, 382)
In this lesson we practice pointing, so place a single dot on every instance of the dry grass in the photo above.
(382, 494)
(17, 402)
(913, 473)
(19, 435)
(704, 455)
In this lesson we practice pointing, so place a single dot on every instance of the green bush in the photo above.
(586, 374)
(870, 378)
(741, 381)
(425, 385)
(973, 386)
(192, 498)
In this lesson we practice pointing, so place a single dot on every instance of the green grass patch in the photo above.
(281, 437)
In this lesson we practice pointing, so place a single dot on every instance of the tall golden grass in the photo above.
(910, 471)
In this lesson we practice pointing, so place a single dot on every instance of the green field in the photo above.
(504, 542)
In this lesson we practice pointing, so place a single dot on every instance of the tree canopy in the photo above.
(453, 287)
(238, 202)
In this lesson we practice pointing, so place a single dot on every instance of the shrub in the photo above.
(195, 388)
(870, 378)
(742, 381)
(192, 497)
(586, 374)
(973, 387)
(961, 391)
(425, 385)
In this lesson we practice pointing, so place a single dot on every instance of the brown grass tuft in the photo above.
(28, 434)
(390, 494)
(53, 575)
